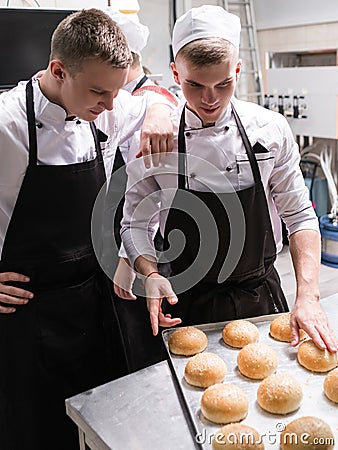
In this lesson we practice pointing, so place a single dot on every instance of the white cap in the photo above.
(206, 21)
(135, 32)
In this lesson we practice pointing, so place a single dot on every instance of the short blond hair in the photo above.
(208, 51)
(89, 34)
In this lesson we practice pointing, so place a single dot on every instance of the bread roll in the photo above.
(281, 331)
(205, 369)
(257, 361)
(331, 385)
(224, 403)
(187, 341)
(239, 333)
(313, 358)
(307, 432)
(279, 394)
(237, 436)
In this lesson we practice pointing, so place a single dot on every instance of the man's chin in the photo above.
(208, 119)
(89, 116)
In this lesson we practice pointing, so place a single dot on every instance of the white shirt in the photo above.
(59, 141)
(129, 87)
(217, 162)
(124, 147)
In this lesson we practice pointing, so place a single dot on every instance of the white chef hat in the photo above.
(206, 21)
(135, 32)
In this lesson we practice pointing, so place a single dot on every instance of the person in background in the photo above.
(147, 71)
(142, 348)
(234, 172)
(58, 135)
(136, 35)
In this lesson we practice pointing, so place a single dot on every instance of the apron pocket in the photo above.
(254, 302)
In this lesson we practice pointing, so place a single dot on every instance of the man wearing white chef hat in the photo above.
(137, 36)
(196, 24)
(138, 83)
(58, 135)
(134, 31)
(234, 173)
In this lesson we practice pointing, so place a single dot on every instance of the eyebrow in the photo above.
(199, 84)
(226, 80)
(96, 88)
(192, 81)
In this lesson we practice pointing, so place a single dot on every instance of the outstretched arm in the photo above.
(307, 312)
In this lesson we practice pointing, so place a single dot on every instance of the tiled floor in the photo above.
(328, 280)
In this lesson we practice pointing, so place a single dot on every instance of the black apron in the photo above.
(61, 343)
(141, 347)
(252, 287)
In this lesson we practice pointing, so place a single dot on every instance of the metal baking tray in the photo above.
(314, 401)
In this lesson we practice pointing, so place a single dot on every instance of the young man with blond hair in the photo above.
(58, 135)
(220, 196)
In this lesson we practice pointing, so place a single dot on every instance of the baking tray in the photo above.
(268, 425)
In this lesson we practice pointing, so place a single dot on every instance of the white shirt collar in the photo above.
(129, 87)
(45, 110)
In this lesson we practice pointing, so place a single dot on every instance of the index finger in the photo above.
(144, 149)
(12, 276)
(294, 327)
(154, 311)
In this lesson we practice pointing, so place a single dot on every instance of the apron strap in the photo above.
(96, 132)
(141, 82)
(248, 147)
(182, 177)
(33, 148)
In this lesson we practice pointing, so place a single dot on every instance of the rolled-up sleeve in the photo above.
(131, 111)
(141, 211)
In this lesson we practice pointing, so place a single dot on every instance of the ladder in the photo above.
(250, 85)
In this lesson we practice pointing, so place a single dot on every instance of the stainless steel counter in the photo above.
(141, 411)
(145, 410)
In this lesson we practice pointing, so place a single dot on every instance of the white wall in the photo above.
(276, 13)
(319, 37)
(156, 56)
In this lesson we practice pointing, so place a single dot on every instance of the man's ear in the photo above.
(238, 69)
(57, 69)
(175, 73)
